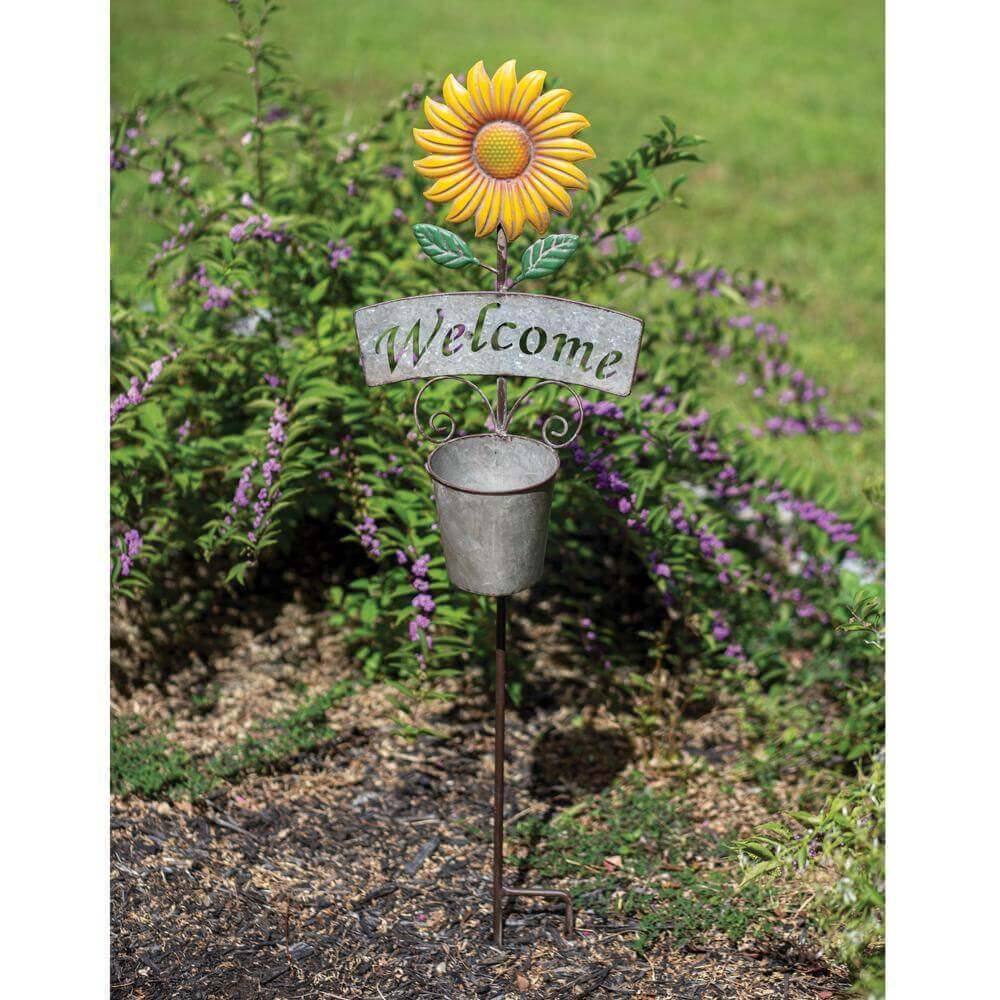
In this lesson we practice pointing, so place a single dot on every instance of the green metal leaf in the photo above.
(547, 255)
(443, 246)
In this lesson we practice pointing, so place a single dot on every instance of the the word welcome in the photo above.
(477, 333)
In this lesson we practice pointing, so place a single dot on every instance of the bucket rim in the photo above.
(530, 488)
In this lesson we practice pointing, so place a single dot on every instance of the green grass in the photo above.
(789, 92)
(651, 879)
(148, 764)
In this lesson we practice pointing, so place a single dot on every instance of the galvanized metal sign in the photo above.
(498, 333)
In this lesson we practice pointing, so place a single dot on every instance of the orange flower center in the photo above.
(502, 149)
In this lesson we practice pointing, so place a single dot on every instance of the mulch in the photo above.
(363, 870)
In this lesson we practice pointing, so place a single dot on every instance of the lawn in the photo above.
(789, 93)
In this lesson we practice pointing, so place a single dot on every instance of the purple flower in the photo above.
(268, 493)
(420, 625)
(129, 546)
(133, 542)
(239, 231)
(368, 530)
(216, 296)
(424, 602)
(258, 227)
(339, 253)
(720, 630)
(137, 390)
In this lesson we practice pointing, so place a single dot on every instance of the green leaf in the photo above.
(443, 246)
(731, 293)
(319, 290)
(547, 255)
(756, 871)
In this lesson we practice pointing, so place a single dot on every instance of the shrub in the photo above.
(830, 861)
(832, 864)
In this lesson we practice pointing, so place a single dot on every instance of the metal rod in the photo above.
(500, 285)
(500, 422)
(499, 747)
(499, 734)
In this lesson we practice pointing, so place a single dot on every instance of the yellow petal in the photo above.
(457, 98)
(553, 193)
(488, 215)
(448, 187)
(504, 82)
(564, 173)
(480, 91)
(439, 165)
(559, 126)
(511, 213)
(528, 88)
(565, 149)
(520, 213)
(436, 141)
(546, 106)
(534, 206)
(467, 202)
(443, 118)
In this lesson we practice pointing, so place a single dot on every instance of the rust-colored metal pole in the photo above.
(499, 741)
(499, 749)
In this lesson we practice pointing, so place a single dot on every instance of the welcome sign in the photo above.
(498, 333)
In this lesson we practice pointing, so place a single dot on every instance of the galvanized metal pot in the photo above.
(493, 497)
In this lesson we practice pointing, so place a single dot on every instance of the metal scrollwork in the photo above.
(434, 428)
(559, 436)
(557, 431)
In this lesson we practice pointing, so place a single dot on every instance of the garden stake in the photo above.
(493, 491)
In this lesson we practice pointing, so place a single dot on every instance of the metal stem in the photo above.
(500, 285)
(500, 426)
(499, 734)
(499, 742)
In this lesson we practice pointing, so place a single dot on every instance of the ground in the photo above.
(361, 866)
